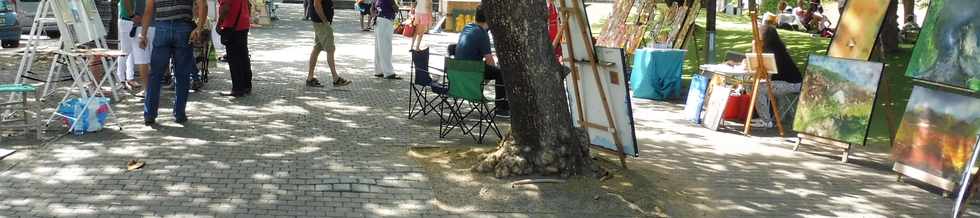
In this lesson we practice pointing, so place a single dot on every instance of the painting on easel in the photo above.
(948, 48)
(78, 20)
(937, 132)
(858, 29)
(837, 98)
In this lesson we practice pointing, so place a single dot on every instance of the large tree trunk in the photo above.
(542, 139)
(889, 29)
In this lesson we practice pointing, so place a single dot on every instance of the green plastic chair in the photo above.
(29, 113)
(466, 91)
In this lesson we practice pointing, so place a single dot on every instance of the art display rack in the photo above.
(632, 21)
(572, 12)
(68, 56)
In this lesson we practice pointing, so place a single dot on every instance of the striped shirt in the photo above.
(173, 10)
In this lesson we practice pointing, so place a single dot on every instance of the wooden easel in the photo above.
(573, 14)
(760, 74)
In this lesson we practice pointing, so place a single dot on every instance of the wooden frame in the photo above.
(576, 14)
(807, 139)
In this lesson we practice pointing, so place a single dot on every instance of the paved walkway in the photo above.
(296, 151)
(287, 150)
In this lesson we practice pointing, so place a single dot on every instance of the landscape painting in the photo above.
(948, 47)
(858, 29)
(837, 98)
(937, 132)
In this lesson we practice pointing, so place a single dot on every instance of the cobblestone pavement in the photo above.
(287, 150)
(326, 152)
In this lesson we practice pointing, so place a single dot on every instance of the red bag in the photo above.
(737, 107)
(408, 31)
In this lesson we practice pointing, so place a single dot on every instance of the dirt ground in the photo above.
(630, 193)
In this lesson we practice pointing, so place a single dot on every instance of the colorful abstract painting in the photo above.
(948, 48)
(937, 132)
(837, 98)
(857, 29)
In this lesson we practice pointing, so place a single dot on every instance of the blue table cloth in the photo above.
(656, 73)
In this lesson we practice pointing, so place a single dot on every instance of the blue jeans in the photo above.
(172, 42)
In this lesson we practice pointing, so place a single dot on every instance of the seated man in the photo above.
(474, 44)
(788, 80)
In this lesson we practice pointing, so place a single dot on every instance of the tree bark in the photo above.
(542, 139)
(889, 29)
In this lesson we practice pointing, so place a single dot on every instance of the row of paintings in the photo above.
(937, 131)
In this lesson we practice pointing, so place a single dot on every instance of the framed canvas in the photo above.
(948, 48)
(615, 85)
(716, 107)
(768, 60)
(857, 30)
(78, 21)
(937, 133)
(837, 98)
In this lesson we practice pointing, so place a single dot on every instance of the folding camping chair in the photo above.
(466, 82)
(421, 83)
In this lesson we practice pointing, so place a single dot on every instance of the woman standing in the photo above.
(382, 40)
(422, 22)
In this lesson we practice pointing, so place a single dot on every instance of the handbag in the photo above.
(408, 30)
(400, 29)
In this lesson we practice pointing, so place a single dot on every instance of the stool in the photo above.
(29, 113)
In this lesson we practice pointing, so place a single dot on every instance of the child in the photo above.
(422, 22)
(364, 7)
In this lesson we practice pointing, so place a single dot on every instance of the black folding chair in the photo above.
(427, 95)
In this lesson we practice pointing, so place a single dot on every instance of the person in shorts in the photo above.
(422, 22)
(130, 20)
(321, 14)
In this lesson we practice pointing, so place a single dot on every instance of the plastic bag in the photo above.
(99, 106)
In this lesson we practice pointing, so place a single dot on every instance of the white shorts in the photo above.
(140, 55)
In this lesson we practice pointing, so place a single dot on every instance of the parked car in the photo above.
(27, 10)
(9, 28)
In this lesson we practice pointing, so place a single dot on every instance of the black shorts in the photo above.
(365, 8)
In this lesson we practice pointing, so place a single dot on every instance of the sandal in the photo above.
(340, 82)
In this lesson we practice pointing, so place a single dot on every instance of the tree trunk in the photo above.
(889, 28)
(908, 8)
(542, 139)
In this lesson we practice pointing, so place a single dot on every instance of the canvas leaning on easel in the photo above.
(81, 46)
(597, 86)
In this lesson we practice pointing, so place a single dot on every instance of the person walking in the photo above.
(322, 16)
(422, 22)
(175, 30)
(130, 15)
(233, 23)
(382, 40)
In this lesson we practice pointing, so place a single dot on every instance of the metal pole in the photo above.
(710, 29)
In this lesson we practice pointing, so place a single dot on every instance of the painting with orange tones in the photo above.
(858, 29)
(937, 132)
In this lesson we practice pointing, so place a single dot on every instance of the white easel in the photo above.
(70, 56)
